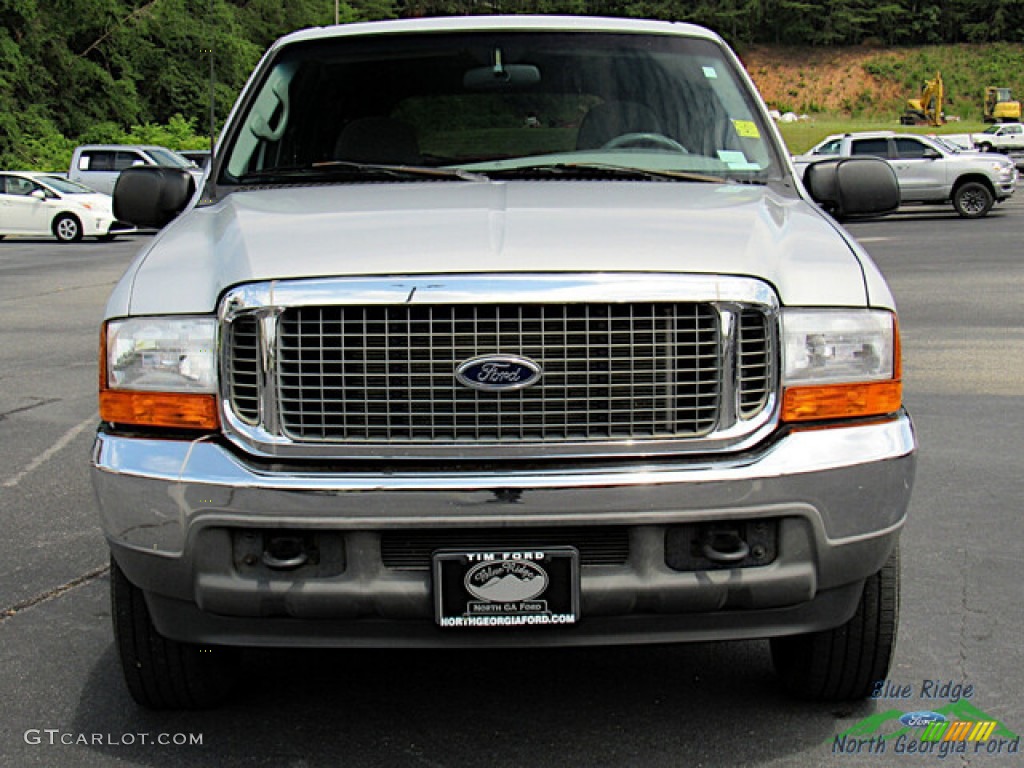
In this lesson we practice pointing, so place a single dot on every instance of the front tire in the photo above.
(844, 663)
(163, 673)
(67, 228)
(972, 200)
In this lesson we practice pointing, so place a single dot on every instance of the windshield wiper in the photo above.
(578, 170)
(336, 168)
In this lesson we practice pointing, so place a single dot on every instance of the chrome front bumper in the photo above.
(840, 495)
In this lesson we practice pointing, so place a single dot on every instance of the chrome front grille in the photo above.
(629, 365)
(609, 372)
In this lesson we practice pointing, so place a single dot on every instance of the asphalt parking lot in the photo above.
(959, 286)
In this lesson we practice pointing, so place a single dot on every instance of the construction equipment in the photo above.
(1000, 106)
(927, 109)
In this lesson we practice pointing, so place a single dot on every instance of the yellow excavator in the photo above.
(926, 109)
(1000, 106)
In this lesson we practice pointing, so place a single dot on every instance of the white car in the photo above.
(46, 204)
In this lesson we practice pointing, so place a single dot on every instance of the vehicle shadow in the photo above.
(8, 240)
(925, 213)
(701, 704)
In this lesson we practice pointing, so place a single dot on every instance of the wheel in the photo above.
(845, 663)
(652, 140)
(972, 200)
(163, 673)
(67, 228)
(985, 147)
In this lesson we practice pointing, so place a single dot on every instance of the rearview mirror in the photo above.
(151, 196)
(853, 186)
(500, 77)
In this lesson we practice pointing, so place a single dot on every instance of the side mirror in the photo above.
(38, 194)
(853, 186)
(932, 154)
(150, 196)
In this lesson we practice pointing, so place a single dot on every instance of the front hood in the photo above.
(494, 227)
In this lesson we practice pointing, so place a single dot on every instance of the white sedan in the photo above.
(46, 204)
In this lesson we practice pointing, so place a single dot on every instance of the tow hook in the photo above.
(284, 553)
(724, 546)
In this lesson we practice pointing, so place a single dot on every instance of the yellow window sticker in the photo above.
(747, 129)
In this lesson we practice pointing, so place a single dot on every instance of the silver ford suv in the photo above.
(929, 170)
(501, 331)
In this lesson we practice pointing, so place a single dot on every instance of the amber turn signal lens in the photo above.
(159, 409)
(842, 401)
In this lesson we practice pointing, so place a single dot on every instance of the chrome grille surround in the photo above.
(634, 365)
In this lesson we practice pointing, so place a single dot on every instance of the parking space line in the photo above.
(50, 452)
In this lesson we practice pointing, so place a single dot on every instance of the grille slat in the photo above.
(350, 374)
(754, 362)
(245, 368)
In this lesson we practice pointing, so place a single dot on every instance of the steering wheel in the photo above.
(651, 140)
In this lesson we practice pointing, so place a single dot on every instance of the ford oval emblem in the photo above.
(922, 718)
(506, 581)
(496, 373)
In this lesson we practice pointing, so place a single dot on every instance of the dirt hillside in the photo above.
(873, 81)
(830, 80)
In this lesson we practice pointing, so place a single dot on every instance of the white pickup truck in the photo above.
(98, 166)
(1001, 137)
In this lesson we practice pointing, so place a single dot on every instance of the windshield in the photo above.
(494, 103)
(167, 158)
(67, 187)
(947, 144)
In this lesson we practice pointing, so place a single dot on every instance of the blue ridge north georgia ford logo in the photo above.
(506, 581)
(497, 373)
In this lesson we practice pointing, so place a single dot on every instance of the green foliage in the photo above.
(75, 71)
(801, 136)
(965, 69)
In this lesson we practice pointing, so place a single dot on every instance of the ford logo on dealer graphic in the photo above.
(496, 373)
(921, 719)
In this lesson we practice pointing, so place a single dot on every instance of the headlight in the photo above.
(839, 364)
(160, 371)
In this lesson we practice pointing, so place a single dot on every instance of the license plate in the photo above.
(518, 588)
